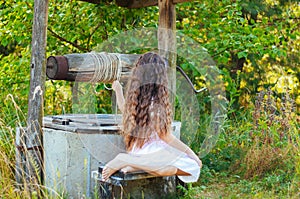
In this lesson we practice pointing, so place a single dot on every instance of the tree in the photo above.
(239, 35)
(242, 33)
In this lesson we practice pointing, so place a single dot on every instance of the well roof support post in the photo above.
(167, 40)
(33, 137)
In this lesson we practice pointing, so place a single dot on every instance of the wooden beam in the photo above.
(167, 41)
(93, 1)
(33, 142)
(143, 3)
(167, 31)
(135, 3)
(83, 67)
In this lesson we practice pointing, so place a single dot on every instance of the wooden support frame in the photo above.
(33, 137)
(136, 3)
(166, 45)
(144, 3)
(167, 31)
(167, 41)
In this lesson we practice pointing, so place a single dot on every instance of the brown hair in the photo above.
(147, 107)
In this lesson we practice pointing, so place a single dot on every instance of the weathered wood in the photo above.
(82, 67)
(144, 3)
(35, 102)
(83, 124)
(20, 158)
(136, 3)
(167, 31)
(167, 40)
(93, 1)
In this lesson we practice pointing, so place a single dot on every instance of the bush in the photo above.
(273, 134)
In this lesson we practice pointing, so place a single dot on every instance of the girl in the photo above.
(147, 129)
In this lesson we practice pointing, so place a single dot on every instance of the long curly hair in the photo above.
(147, 107)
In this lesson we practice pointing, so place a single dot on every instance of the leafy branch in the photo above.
(92, 33)
(67, 41)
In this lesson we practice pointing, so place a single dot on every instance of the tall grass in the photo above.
(258, 153)
(8, 185)
(13, 117)
(274, 136)
(271, 163)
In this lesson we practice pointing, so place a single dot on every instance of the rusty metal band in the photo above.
(62, 68)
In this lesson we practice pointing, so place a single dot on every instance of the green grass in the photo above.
(230, 169)
(230, 186)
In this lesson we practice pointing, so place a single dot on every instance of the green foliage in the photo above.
(257, 156)
(274, 136)
(255, 43)
(240, 33)
(274, 119)
(15, 34)
(233, 32)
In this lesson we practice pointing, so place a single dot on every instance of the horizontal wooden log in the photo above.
(81, 68)
(90, 67)
(135, 3)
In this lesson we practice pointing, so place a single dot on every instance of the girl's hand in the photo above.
(199, 162)
(116, 86)
(195, 157)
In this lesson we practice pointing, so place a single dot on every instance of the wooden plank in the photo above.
(144, 3)
(119, 177)
(136, 3)
(20, 159)
(35, 102)
(85, 123)
(93, 1)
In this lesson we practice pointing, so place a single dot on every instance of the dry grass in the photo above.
(8, 185)
(264, 159)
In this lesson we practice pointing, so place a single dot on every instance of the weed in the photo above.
(273, 136)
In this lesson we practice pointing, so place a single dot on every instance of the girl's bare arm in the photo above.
(179, 145)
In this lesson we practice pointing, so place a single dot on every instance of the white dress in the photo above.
(179, 159)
